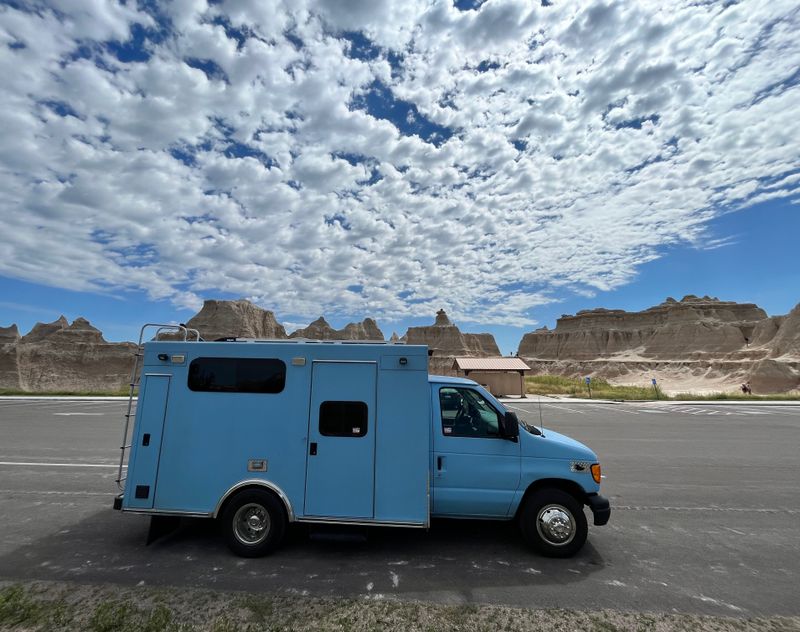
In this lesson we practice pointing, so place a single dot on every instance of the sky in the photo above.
(507, 161)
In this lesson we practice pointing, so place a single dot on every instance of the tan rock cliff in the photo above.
(701, 337)
(60, 356)
(239, 319)
(321, 330)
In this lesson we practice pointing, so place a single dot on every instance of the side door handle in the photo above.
(312, 449)
(438, 463)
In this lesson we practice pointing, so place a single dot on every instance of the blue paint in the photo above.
(147, 439)
(342, 462)
(402, 462)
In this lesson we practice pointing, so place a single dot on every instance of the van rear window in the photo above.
(343, 419)
(237, 375)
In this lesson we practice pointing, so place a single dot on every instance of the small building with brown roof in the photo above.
(500, 376)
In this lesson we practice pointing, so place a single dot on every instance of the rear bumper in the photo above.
(601, 508)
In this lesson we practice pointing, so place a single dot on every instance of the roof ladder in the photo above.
(134, 383)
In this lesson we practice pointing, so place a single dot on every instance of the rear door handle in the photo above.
(439, 461)
(312, 450)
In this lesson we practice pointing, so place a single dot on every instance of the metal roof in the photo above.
(490, 364)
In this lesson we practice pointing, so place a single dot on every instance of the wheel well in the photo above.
(249, 486)
(571, 487)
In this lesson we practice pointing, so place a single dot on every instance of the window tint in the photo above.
(237, 375)
(343, 419)
(465, 413)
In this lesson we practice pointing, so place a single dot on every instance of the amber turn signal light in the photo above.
(596, 473)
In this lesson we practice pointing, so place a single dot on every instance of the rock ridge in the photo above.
(695, 328)
(319, 329)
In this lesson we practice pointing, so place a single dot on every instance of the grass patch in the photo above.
(601, 389)
(574, 387)
(60, 607)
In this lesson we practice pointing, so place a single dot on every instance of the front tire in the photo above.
(254, 522)
(553, 523)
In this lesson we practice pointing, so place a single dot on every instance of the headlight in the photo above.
(596, 475)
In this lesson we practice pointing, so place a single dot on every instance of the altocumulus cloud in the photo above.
(385, 158)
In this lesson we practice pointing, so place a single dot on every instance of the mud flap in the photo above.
(161, 526)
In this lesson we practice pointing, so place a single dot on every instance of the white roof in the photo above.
(490, 364)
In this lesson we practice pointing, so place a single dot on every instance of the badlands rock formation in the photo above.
(321, 330)
(240, 319)
(446, 342)
(721, 343)
(60, 356)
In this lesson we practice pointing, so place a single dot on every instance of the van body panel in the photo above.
(403, 446)
(340, 471)
(147, 437)
(211, 438)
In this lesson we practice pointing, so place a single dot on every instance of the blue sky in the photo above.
(509, 162)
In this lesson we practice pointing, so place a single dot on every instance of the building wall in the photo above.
(498, 382)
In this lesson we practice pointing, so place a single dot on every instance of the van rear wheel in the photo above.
(553, 523)
(255, 523)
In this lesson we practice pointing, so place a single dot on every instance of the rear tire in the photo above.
(553, 523)
(254, 521)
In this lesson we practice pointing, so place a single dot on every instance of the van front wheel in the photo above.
(553, 523)
(254, 523)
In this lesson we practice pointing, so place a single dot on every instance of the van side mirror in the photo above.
(509, 426)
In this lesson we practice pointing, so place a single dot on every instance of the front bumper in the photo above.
(601, 508)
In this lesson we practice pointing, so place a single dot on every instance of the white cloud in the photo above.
(232, 154)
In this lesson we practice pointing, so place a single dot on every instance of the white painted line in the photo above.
(621, 409)
(30, 492)
(572, 410)
(72, 398)
(764, 510)
(85, 414)
(39, 464)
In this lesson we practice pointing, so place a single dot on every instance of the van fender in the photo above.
(257, 482)
(564, 484)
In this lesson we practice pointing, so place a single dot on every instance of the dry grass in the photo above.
(57, 606)
(601, 389)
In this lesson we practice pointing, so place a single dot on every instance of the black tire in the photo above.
(553, 523)
(254, 521)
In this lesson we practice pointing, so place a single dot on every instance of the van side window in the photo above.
(237, 375)
(465, 413)
(343, 419)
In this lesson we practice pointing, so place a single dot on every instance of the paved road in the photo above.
(705, 520)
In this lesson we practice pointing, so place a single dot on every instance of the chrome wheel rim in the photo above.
(555, 525)
(251, 524)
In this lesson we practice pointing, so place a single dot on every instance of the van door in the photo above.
(476, 472)
(340, 470)
(146, 444)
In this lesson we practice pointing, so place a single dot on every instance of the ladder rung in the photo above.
(125, 447)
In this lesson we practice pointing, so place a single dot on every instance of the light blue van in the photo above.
(260, 434)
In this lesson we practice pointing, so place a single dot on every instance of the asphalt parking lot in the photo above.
(705, 519)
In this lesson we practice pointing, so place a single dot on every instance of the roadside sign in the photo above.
(588, 380)
(654, 381)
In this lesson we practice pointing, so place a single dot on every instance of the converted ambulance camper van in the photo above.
(262, 433)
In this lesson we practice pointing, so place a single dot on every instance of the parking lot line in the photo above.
(44, 464)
